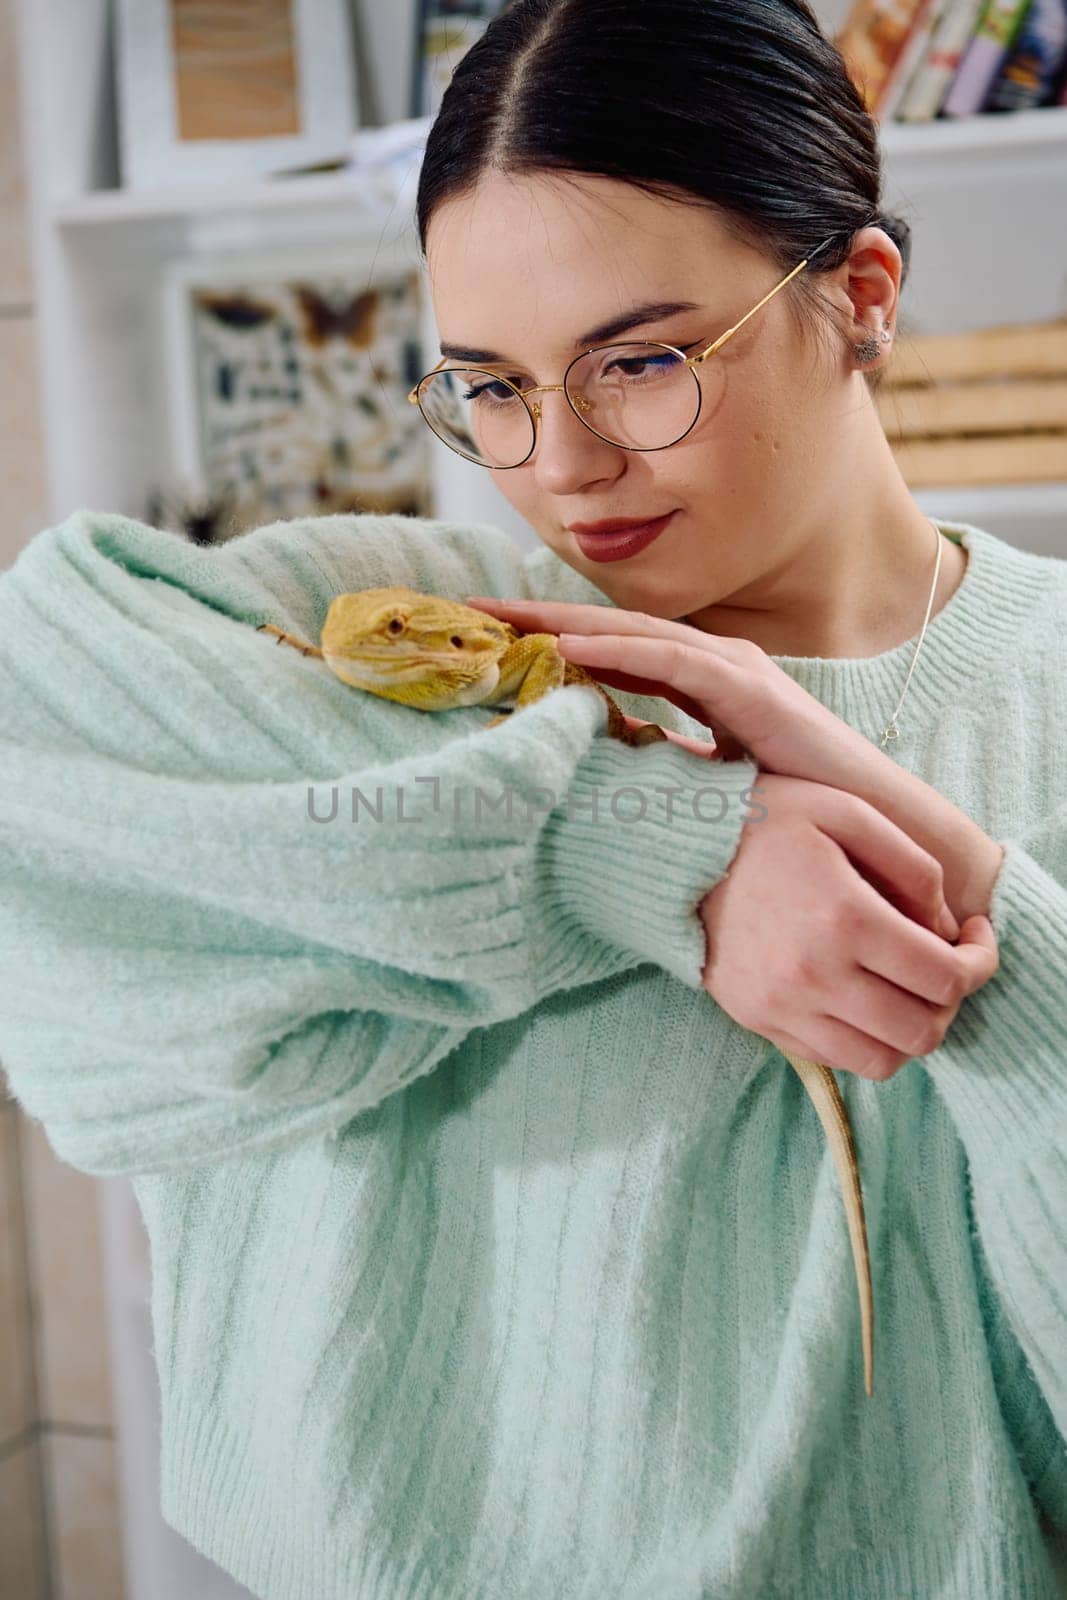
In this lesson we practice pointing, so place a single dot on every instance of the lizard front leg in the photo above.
(290, 638)
(532, 666)
(822, 1087)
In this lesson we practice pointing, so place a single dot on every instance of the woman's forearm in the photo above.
(755, 709)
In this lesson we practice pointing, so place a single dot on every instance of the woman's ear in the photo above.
(871, 284)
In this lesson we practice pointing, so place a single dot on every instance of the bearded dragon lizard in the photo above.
(433, 654)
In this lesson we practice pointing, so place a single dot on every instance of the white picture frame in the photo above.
(358, 261)
(151, 153)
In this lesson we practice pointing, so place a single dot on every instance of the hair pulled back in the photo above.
(740, 105)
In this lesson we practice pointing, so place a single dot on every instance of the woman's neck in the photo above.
(847, 598)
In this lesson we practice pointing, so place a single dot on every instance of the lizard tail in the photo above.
(822, 1087)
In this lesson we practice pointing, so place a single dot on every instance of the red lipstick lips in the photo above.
(614, 539)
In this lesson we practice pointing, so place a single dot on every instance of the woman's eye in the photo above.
(496, 392)
(635, 366)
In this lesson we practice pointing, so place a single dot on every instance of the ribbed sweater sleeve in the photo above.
(1002, 1072)
(244, 902)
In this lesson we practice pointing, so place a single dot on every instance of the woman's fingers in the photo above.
(837, 1044)
(729, 684)
(724, 695)
(979, 951)
(876, 1024)
(912, 959)
(566, 616)
(647, 650)
(903, 949)
(622, 669)
(909, 873)
(891, 1016)
(663, 691)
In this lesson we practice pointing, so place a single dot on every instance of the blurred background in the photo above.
(211, 310)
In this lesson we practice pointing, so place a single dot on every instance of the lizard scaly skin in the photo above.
(434, 654)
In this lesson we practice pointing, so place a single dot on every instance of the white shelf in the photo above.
(1010, 132)
(108, 207)
(967, 143)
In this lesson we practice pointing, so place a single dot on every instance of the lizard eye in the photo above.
(457, 641)
(395, 625)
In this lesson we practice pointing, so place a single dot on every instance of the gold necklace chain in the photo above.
(891, 731)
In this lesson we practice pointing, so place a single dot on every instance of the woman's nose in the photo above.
(566, 453)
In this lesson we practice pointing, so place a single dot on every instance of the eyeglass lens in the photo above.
(640, 395)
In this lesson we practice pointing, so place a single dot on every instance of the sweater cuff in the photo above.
(1002, 1069)
(641, 837)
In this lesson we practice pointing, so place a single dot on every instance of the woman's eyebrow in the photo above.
(651, 311)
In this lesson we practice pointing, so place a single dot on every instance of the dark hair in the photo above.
(741, 105)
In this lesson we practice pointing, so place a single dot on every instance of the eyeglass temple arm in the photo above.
(413, 397)
(716, 344)
(721, 340)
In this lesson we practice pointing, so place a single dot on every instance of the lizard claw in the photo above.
(648, 733)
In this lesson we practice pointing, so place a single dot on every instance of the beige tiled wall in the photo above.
(22, 470)
(22, 1543)
(59, 1525)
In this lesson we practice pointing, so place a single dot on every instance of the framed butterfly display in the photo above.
(287, 384)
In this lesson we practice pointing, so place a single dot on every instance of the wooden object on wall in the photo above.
(232, 91)
(982, 407)
(235, 69)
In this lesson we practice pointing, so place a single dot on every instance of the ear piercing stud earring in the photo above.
(867, 349)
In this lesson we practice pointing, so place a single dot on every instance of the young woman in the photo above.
(497, 1250)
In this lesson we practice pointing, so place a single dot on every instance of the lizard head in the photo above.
(421, 649)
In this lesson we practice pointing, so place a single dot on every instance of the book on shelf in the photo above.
(984, 56)
(910, 59)
(937, 64)
(873, 40)
(1033, 65)
(978, 408)
(914, 60)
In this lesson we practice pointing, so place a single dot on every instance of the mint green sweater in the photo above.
(492, 1260)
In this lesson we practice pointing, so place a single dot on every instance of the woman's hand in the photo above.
(807, 952)
(752, 706)
(730, 685)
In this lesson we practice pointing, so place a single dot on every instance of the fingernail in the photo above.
(949, 926)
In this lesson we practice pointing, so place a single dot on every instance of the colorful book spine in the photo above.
(934, 74)
(911, 59)
(915, 47)
(984, 56)
(874, 34)
(1029, 75)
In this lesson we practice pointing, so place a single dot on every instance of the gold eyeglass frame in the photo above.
(551, 388)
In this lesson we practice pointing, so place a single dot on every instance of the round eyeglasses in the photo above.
(639, 395)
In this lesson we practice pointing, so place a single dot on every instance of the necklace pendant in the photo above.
(892, 732)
